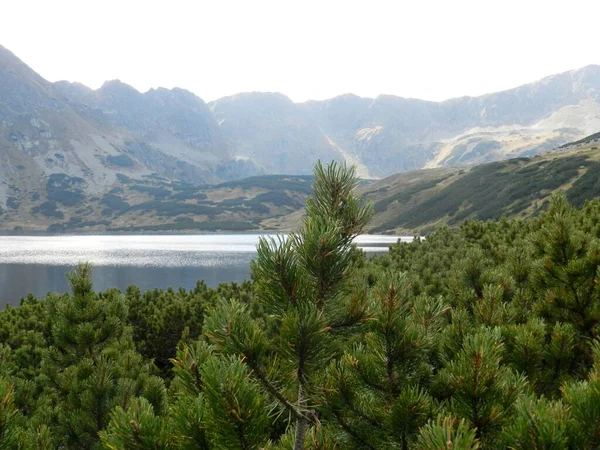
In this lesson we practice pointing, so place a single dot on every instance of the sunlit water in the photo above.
(37, 264)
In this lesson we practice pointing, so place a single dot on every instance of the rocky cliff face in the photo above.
(67, 129)
(273, 132)
(391, 134)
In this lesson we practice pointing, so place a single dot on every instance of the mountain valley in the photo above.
(77, 159)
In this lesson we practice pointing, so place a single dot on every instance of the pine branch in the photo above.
(348, 429)
(271, 389)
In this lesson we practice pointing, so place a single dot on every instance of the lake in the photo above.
(37, 264)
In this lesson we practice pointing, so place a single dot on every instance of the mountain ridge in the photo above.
(65, 129)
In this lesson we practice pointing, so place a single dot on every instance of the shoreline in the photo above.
(30, 233)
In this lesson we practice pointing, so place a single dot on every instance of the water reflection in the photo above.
(38, 264)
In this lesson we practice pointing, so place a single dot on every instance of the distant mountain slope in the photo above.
(68, 130)
(65, 131)
(272, 132)
(592, 138)
(392, 134)
(154, 203)
(419, 201)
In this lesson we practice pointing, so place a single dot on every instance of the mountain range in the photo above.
(63, 144)
(420, 201)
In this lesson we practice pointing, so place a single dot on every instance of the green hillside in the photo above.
(420, 201)
(154, 203)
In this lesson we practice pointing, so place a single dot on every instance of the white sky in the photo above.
(306, 49)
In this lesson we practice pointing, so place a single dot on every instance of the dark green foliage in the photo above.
(299, 282)
(12, 203)
(123, 178)
(219, 225)
(488, 191)
(280, 183)
(156, 192)
(583, 399)
(447, 434)
(48, 209)
(72, 365)
(64, 189)
(137, 428)
(10, 418)
(120, 161)
(539, 424)
(585, 187)
(567, 272)
(160, 318)
(480, 388)
(90, 367)
(586, 140)
(114, 203)
(238, 412)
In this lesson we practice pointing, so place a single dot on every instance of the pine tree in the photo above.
(214, 405)
(447, 434)
(302, 284)
(480, 388)
(376, 391)
(583, 399)
(11, 420)
(91, 367)
(137, 428)
(566, 277)
(539, 424)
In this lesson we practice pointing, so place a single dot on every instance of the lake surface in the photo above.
(37, 264)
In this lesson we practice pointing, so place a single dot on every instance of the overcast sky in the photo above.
(306, 49)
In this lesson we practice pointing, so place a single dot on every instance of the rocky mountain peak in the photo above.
(258, 102)
(117, 85)
(20, 87)
(9, 61)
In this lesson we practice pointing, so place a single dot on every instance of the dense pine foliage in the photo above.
(481, 337)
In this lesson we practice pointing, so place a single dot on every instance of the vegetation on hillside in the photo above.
(484, 336)
(592, 138)
(153, 203)
(409, 203)
(422, 201)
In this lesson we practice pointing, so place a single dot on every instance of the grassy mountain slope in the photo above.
(154, 203)
(412, 202)
(419, 201)
(592, 138)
